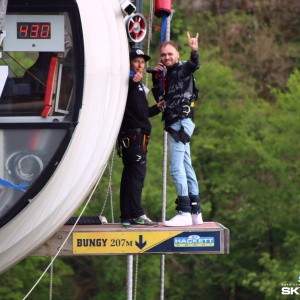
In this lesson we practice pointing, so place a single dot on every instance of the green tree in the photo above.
(20, 279)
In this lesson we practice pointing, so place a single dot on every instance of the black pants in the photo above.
(134, 160)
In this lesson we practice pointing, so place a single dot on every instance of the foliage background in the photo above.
(245, 152)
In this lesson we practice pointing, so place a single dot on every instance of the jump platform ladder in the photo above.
(115, 239)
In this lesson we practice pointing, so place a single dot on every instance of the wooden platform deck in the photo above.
(115, 239)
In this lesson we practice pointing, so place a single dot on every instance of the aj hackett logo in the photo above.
(139, 52)
(194, 241)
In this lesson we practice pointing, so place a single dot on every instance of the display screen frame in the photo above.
(33, 30)
(56, 42)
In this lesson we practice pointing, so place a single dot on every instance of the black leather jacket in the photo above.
(179, 89)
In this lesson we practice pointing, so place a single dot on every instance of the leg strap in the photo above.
(183, 204)
(179, 136)
(195, 204)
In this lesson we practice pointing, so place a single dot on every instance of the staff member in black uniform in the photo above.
(133, 139)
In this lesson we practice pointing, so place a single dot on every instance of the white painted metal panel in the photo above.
(105, 90)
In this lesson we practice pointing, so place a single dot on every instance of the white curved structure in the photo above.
(104, 97)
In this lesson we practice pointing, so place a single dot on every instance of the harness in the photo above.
(179, 136)
(126, 138)
(181, 111)
(185, 108)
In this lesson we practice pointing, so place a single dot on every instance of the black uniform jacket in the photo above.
(137, 110)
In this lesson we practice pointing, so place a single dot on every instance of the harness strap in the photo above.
(126, 138)
(179, 136)
(183, 111)
(183, 204)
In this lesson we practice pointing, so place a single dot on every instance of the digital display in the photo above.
(42, 33)
(33, 30)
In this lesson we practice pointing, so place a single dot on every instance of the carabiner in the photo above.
(188, 110)
(125, 142)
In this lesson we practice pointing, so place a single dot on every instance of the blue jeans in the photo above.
(181, 169)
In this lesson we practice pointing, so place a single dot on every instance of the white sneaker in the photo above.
(181, 219)
(197, 219)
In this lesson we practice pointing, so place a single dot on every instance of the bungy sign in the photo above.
(145, 242)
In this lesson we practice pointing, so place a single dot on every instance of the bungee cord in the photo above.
(64, 242)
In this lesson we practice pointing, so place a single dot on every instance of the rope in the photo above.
(69, 234)
(51, 281)
(165, 36)
(129, 284)
(129, 276)
(130, 257)
(108, 189)
(136, 275)
(36, 78)
(149, 35)
(162, 277)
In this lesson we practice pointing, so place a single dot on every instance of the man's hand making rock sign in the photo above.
(193, 42)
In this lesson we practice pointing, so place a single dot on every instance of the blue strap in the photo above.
(162, 39)
(163, 27)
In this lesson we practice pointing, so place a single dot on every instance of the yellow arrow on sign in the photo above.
(118, 242)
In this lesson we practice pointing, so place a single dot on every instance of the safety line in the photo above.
(51, 282)
(60, 248)
(136, 275)
(165, 36)
(150, 24)
(21, 68)
(108, 189)
(129, 277)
